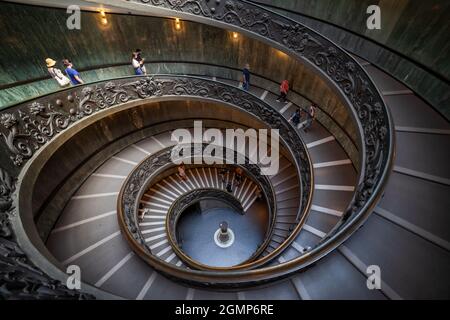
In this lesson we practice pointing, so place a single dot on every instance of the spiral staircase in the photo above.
(330, 217)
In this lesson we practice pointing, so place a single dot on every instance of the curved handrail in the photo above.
(188, 62)
(334, 63)
(180, 204)
(341, 70)
(152, 166)
(192, 197)
(30, 126)
(41, 122)
(148, 171)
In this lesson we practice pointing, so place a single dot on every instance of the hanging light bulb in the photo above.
(177, 24)
(235, 35)
(103, 19)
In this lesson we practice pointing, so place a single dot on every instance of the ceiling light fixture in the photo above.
(103, 19)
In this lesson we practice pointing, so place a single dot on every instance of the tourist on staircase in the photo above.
(284, 89)
(222, 173)
(72, 73)
(246, 77)
(296, 117)
(141, 60)
(310, 116)
(238, 176)
(137, 63)
(56, 74)
(182, 171)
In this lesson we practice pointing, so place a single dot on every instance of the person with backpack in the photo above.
(56, 74)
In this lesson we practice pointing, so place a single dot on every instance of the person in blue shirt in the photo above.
(246, 77)
(73, 74)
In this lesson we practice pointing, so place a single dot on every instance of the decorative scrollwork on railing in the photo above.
(27, 127)
(30, 126)
(132, 188)
(7, 194)
(19, 278)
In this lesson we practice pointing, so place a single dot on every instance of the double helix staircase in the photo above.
(405, 233)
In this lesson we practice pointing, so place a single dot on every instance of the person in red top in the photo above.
(284, 89)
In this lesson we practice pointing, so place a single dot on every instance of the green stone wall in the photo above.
(30, 34)
(417, 29)
(413, 45)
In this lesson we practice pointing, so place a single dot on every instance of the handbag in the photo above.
(61, 79)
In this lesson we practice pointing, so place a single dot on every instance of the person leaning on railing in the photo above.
(72, 73)
(138, 63)
(56, 74)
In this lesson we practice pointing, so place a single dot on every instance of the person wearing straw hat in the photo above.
(56, 74)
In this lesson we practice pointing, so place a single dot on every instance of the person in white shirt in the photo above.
(56, 74)
(137, 64)
(141, 60)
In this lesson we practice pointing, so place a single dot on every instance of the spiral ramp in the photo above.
(406, 232)
(406, 235)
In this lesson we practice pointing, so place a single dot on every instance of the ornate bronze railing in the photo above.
(148, 172)
(339, 68)
(27, 127)
(32, 125)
